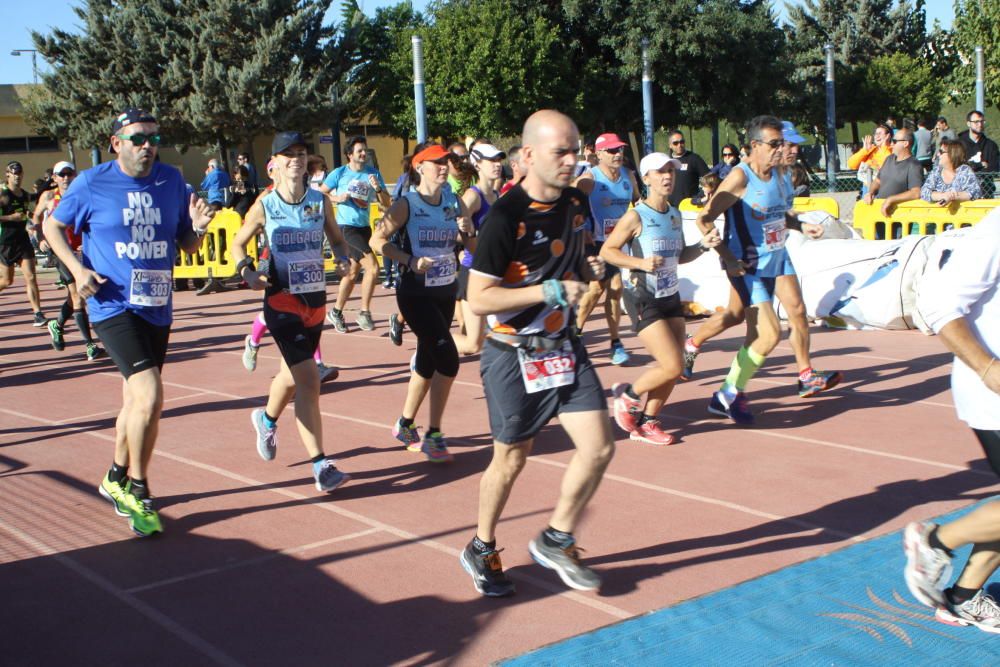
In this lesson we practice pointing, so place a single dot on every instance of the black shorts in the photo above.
(358, 238)
(990, 440)
(650, 309)
(610, 270)
(516, 415)
(462, 290)
(15, 250)
(133, 343)
(295, 326)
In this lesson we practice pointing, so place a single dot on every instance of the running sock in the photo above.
(117, 473)
(317, 459)
(805, 373)
(616, 342)
(139, 489)
(557, 538)
(318, 356)
(744, 366)
(433, 429)
(65, 312)
(403, 421)
(691, 346)
(481, 547)
(269, 421)
(257, 329)
(642, 418)
(935, 543)
(958, 595)
(631, 393)
(83, 324)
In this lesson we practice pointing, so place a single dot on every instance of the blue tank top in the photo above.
(755, 227)
(431, 231)
(662, 234)
(609, 200)
(477, 220)
(295, 237)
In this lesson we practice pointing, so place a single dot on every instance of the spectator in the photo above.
(876, 147)
(516, 168)
(214, 185)
(709, 183)
(942, 132)
(800, 180)
(730, 158)
(243, 193)
(900, 177)
(460, 171)
(745, 153)
(981, 150)
(952, 179)
(316, 168)
(691, 169)
(924, 149)
(890, 122)
(243, 160)
(590, 153)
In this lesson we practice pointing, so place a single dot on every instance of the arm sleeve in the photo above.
(496, 244)
(855, 160)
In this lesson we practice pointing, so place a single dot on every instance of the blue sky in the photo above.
(15, 30)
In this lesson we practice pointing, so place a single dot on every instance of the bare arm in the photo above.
(39, 216)
(627, 229)
(727, 196)
(253, 223)
(959, 339)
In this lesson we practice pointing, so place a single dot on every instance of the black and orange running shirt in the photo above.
(524, 242)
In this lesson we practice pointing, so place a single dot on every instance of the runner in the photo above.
(251, 346)
(611, 188)
(962, 305)
(429, 222)
(64, 173)
(810, 381)
(353, 187)
(528, 274)
(655, 235)
(487, 161)
(132, 213)
(15, 244)
(755, 198)
(294, 218)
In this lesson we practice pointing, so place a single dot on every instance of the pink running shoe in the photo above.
(651, 433)
(626, 409)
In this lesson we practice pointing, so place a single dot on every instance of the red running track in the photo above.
(257, 568)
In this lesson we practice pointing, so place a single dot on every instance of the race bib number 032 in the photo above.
(547, 370)
(306, 276)
(149, 288)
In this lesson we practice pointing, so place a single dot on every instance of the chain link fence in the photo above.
(847, 181)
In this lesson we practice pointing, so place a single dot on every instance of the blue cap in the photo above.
(285, 140)
(790, 134)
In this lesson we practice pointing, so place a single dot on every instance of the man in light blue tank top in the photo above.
(755, 198)
(611, 189)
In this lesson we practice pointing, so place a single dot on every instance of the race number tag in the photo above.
(609, 226)
(666, 278)
(774, 235)
(359, 190)
(149, 288)
(547, 370)
(306, 276)
(442, 272)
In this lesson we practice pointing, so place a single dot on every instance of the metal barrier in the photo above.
(213, 259)
(918, 217)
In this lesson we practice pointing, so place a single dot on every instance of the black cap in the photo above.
(14, 163)
(285, 140)
(127, 117)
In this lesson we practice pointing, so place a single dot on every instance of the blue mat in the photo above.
(851, 607)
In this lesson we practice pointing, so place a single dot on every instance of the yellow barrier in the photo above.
(374, 215)
(213, 260)
(801, 204)
(918, 217)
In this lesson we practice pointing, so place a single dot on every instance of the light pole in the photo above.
(34, 60)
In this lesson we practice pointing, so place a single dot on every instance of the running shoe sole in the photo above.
(545, 562)
(344, 478)
(943, 615)
(834, 381)
(635, 435)
(114, 503)
(467, 566)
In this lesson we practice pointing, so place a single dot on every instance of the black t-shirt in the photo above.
(12, 203)
(523, 242)
(687, 176)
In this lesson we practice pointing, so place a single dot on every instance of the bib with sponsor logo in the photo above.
(149, 288)
(547, 370)
(442, 272)
(306, 275)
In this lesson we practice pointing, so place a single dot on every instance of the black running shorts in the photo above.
(516, 415)
(133, 343)
(16, 250)
(358, 238)
(594, 250)
(650, 310)
(295, 327)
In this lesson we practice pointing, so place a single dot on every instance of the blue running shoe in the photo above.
(738, 411)
(619, 356)
(327, 476)
(267, 438)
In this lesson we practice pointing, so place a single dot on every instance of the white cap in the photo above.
(63, 165)
(656, 162)
(486, 152)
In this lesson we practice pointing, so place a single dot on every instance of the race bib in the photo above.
(359, 190)
(774, 235)
(609, 226)
(149, 288)
(547, 370)
(306, 276)
(666, 278)
(442, 272)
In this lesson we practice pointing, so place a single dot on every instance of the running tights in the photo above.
(429, 318)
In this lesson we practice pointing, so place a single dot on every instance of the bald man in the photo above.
(528, 275)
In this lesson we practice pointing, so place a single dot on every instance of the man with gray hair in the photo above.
(215, 185)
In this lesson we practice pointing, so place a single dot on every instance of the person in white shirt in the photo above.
(962, 305)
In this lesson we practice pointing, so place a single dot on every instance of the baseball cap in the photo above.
(656, 162)
(127, 117)
(433, 152)
(60, 166)
(14, 163)
(285, 140)
(608, 141)
(789, 133)
(486, 152)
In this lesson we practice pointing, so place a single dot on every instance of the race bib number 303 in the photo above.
(149, 288)
(547, 370)
(306, 276)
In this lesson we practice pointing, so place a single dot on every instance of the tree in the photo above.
(904, 85)
(977, 23)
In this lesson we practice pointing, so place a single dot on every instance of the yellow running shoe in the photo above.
(142, 518)
(115, 492)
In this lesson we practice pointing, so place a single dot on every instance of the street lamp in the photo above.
(34, 60)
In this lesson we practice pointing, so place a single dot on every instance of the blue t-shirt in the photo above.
(354, 211)
(215, 184)
(130, 228)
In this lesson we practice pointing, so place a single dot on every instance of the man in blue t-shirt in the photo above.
(214, 184)
(352, 188)
(132, 213)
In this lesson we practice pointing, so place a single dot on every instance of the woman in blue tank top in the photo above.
(655, 235)
(430, 221)
(295, 220)
(487, 160)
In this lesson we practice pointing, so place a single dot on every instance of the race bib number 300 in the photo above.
(306, 276)
(547, 370)
(442, 272)
(774, 235)
(149, 288)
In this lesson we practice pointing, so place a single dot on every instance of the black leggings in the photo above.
(429, 318)
(990, 440)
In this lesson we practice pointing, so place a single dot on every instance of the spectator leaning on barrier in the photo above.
(691, 170)
(952, 179)
(900, 177)
(876, 147)
(214, 184)
(924, 144)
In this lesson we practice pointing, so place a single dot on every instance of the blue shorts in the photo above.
(758, 289)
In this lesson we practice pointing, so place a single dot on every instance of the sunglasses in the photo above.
(674, 143)
(978, 120)
(614, 151)
(66, 174)
(774, 143)
(140, 139)
(896, 141)
(727, 155)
